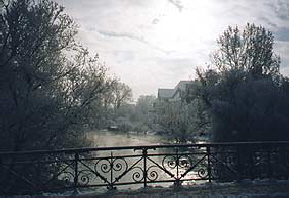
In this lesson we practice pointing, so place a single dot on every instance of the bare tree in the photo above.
(245, 93)
(250, 50)
(48, 81)
(122, 94)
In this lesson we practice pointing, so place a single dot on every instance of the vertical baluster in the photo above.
(270, 149)
(76, 159)
(177, 161)
(209, 163)
(111, 164)
(111, 170)
(285, 161)
(144, 155)
(177, 183)
(239, 163)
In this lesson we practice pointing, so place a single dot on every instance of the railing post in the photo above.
(239, 163)
(75, 183)
(284, 161)
(177, 182)
(1, 172)
(209, 163)
(269, 162)
(111, 164)
(144, 155)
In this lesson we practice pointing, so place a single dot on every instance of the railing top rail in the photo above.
(88, 149)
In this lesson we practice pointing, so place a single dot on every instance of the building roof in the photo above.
(173, 93)
(165, 93)
(181, 86)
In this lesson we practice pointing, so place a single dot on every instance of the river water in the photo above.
(109, 139)
(115, 139)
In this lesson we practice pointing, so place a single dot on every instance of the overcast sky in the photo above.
(153, 44)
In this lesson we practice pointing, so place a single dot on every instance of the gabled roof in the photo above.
(181, 86)
(172, 93)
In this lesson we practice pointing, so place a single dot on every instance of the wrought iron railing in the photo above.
(37, 172)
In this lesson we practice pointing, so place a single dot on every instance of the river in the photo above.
(115, 139)
(110, 138)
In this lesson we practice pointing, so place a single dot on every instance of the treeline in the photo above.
(125, 116)
(52, 89)
(241, 94)
(245, 95)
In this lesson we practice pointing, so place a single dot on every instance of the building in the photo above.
(169, 103)
(175, 94)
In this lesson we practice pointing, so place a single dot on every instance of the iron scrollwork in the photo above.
(137, 174)
(45, 171)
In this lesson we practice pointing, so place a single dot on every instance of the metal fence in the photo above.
(36, 172)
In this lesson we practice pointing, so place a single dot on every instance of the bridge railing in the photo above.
(37, 172)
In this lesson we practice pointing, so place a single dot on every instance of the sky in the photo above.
(151, 44)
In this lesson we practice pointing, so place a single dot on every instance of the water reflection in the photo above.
(162, 163)
(109, 138)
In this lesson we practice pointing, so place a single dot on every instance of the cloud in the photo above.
(279, 12)
(282, 9)
(121, 34)
(151, 44)
(282, 49)
(132, 37)
(282, 34)
(177, 4)
(269, 22)
(155, 21)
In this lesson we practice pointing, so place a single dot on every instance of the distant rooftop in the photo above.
(165, 93)
(181, 86)
(170, 93)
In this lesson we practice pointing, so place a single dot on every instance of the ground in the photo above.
(232, 190)
(244, 189)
